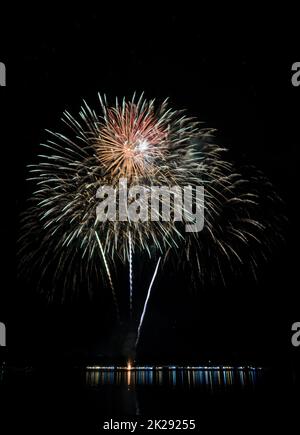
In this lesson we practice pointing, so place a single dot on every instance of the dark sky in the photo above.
(239, 85)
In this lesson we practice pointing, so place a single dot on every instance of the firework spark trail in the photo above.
(130, 276)
(146, 303)
(109, 278)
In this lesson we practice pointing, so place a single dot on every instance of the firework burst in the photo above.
(132, 140)
(149, 144)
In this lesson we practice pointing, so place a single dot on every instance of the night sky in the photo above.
(239, 85)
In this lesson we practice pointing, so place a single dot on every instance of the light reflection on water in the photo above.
(216, 377)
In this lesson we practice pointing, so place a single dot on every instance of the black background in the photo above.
(236, 79)
(239, 85)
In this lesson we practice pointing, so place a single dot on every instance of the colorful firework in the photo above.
(148, 144)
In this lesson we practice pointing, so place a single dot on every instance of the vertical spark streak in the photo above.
(146, 302)
(130, 275)
(109, 278)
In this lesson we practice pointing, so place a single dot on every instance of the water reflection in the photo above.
(134, 390)
(190, 377)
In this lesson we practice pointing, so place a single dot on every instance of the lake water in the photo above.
(67, 400)
(207, 378)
